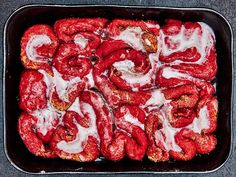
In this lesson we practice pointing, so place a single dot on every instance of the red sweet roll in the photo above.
(38, 46)
(206, 70)
(181, 110)
(112, 143)
(84, 32)
(205, 143)
(187, 145)
(189, 47)
(138, 34)
(122, 71)
(156, 150)
(166, 141)
(192, 143)
(71, 75)
(131, 120)
(179, 103)
(32, 91)
(71, 61)
(36, 130)
(77, 138)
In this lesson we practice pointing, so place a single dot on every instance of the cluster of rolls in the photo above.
(95, 88)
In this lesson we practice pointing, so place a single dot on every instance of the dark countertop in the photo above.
(227, 8)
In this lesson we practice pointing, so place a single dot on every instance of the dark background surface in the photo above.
(227, 8)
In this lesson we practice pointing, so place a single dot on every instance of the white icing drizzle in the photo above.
(125, 65)
(182, 41)
(76, 107)
(48, 79)
(34, 42)
(76, 146)
(202, 122)
(90, 79)
(203, 42)
(81, 41)
(157, 98)
(133, 37)
(46, 118)
(166, 135)
(62, 86)
(169, 72)
(133, 120)
(150, 25)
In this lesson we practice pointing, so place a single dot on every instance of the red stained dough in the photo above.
(156, 151)
(34, 143)
(121, 88)
(136, 144)
(69, 64)
(38, 46)
(32, 91)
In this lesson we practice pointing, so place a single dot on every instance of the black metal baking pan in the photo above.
(29, 15)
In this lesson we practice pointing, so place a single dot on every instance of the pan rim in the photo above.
(11, 16)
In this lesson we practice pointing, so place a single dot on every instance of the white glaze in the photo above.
(125, 65)
(81, 41)
(150, 25)
(133, 120)
(45, 119)
(133, 37)
(31, 46)
(76, 107)
(169, 72)
(157, 98)
(48, 79)
(166, 135)
(62, 86)
(202, 122)
(90, 79)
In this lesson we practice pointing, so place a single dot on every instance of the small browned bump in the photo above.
(151, 46)
(121, 28)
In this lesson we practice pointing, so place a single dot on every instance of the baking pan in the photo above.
(29, 15)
